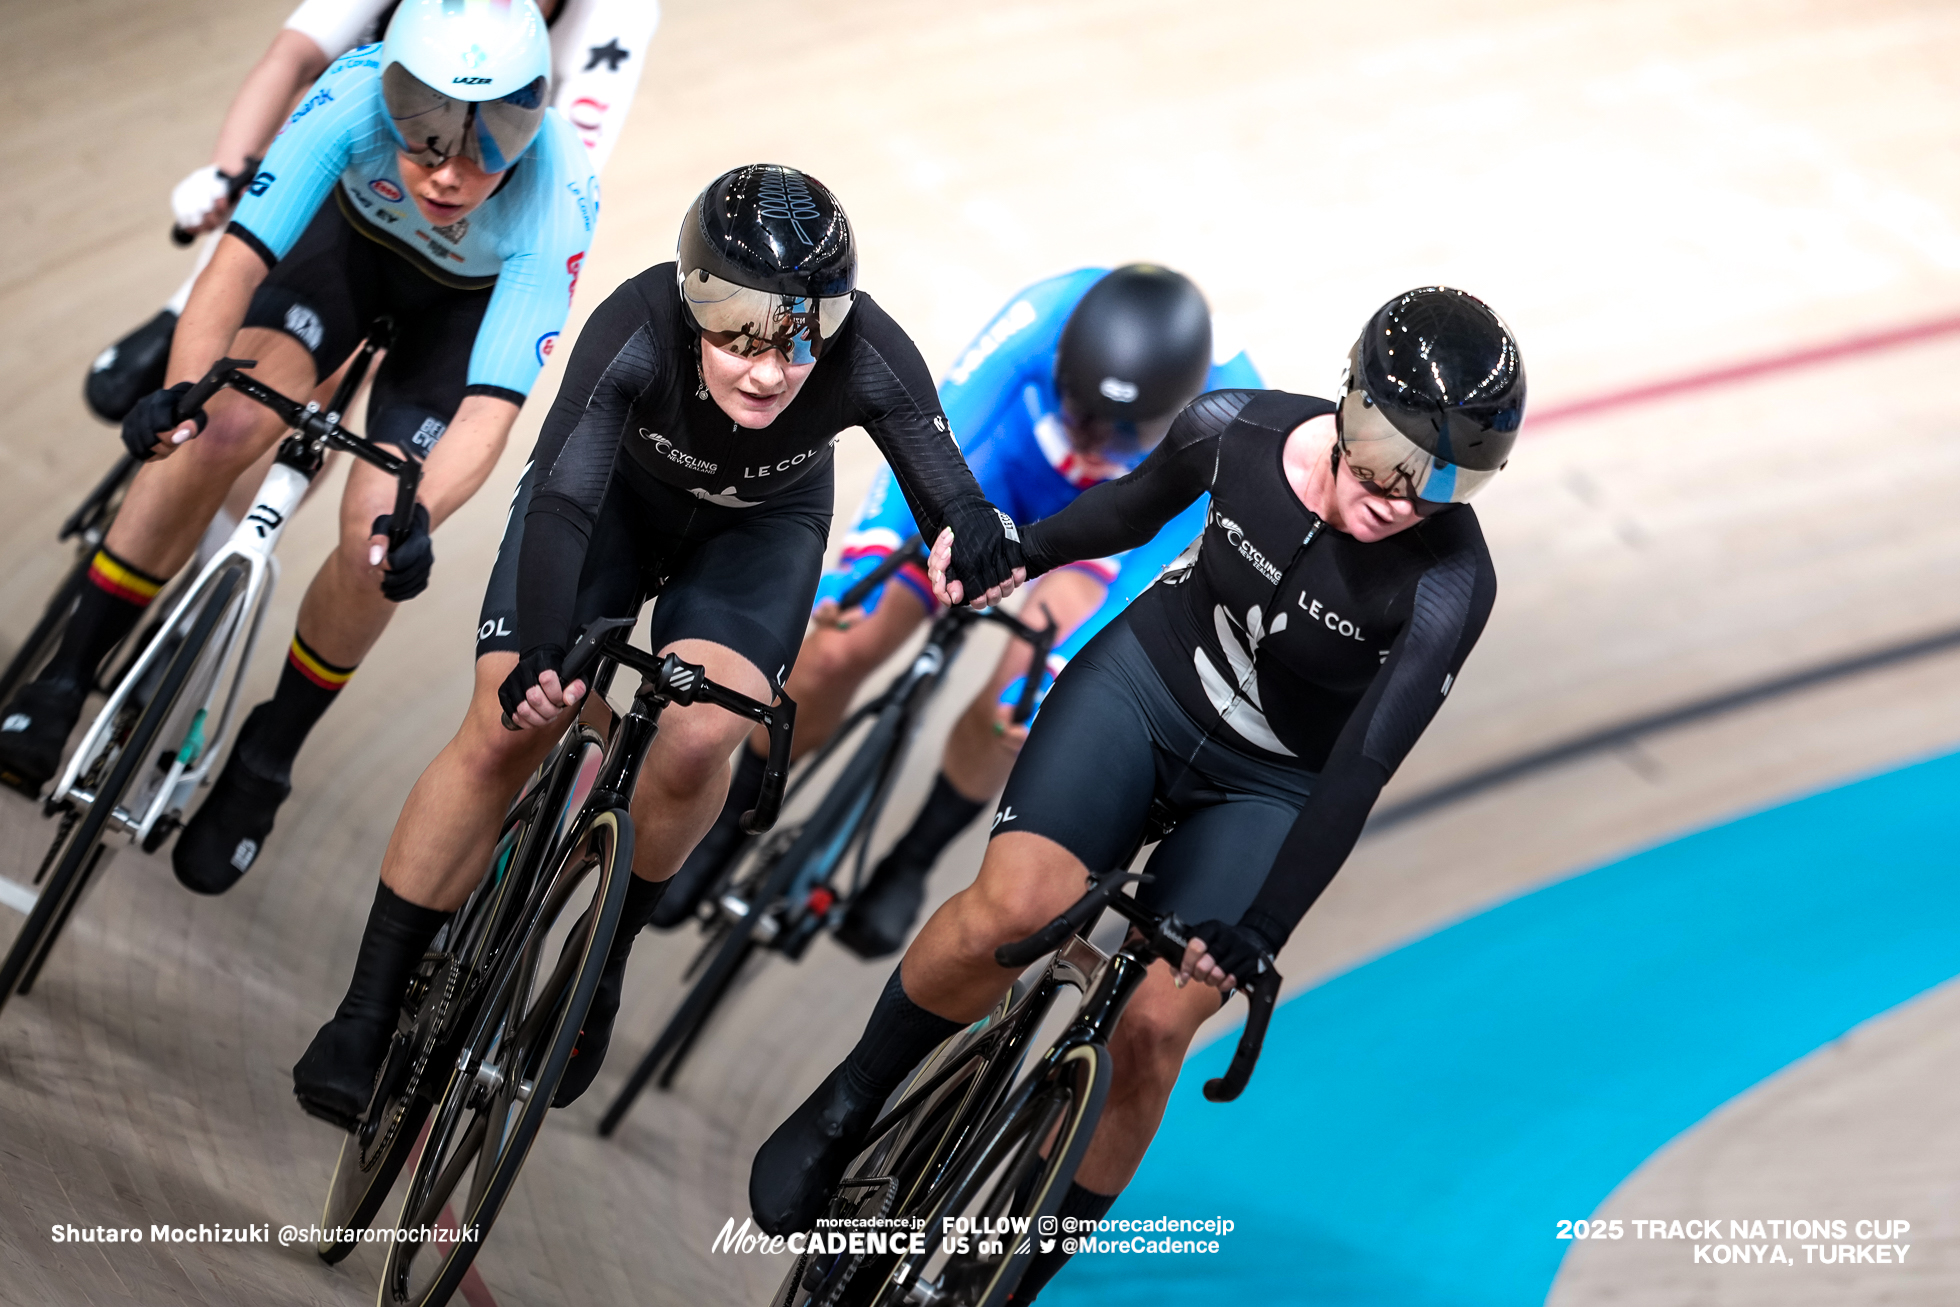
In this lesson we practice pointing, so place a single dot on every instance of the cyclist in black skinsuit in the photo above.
(688, 452)
(1266, 688)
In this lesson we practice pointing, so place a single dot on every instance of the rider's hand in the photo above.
(829, 617)
(201, 201)
(152, 428)
(531, 695)
(409, 562)
(1222, 954)
(987, 566)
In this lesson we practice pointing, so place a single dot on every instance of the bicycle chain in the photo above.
(452, 970)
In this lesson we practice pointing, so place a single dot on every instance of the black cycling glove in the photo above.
(144, 425)
(986, 546)
(1242, 952)
(534, 663)
(409, 562)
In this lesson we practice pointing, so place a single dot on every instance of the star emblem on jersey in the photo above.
(608, 54)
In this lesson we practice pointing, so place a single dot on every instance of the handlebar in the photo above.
(321, 427)
(674, 680)
(912, 551)
(235, 184)
(1168, 937)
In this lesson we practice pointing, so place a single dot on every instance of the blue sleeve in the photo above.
(987, 375)
(548, 234)
(311, 150)
(1235, 373)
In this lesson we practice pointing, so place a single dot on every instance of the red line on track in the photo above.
(1864, 343)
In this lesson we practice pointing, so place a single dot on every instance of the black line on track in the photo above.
(1623, 733)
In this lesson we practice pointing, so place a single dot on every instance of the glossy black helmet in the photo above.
(766, 260)
(1434, 396)
(1137, 348)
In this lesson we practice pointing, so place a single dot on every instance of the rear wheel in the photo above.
(483, 1125)
(126, 758)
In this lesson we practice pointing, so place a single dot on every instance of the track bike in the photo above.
(779, 893)
(165, 724)
(972, 1138)
(492, 1012)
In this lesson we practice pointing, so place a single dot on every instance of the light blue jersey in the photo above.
(528, 239)
(1000, 397)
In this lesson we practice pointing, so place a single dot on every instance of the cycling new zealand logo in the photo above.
(386, 189)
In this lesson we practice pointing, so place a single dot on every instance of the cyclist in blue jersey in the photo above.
(424, 179)
(1072, 384)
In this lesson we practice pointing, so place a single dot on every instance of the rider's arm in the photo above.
(614, 361)
(463, 459)
(899, 407)
(598, 53)
(1450, 605)
(293, 62)
(1129, 511)
(215, 310)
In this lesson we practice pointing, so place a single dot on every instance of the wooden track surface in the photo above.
(1643, 189)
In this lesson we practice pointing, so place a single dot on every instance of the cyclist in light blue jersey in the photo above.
(425, 180)
(1072, 384)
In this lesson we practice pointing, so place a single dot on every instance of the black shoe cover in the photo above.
(798, 1168)
(335, 1076)
(880, 917)
(34, 730)
(223, 840)
(589, 1053)
(130, 369)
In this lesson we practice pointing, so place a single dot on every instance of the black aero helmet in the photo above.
(1137, 347)
(1434, 396)
(766, 261)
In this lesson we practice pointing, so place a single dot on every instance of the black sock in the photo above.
(398, 934)
(896, 1039)
(642, 897)
(1078, 1203)
(273, 734)
(106, 610)
(947, 812)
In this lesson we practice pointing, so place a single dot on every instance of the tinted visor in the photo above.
(745, 322)
(433, 127)
(1389, 463)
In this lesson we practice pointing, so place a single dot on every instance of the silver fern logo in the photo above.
(1235, 697)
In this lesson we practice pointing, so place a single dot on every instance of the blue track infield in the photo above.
(1419, 1125)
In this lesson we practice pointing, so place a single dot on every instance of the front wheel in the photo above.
(81, 845)
(1017, 1172)
(503, 1083)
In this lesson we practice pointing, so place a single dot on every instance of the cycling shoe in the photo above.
(798, 1168)
(34, 730)
(334, 1078)
(222, 841)
(589, 1053)
(130, 369)
(879, 918)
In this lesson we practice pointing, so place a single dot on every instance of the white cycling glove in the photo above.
(198, 196)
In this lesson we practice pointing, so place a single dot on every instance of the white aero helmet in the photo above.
(468, 77)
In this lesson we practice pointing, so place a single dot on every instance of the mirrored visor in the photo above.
(1391, 464)
(746, 322)
(432, 127)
